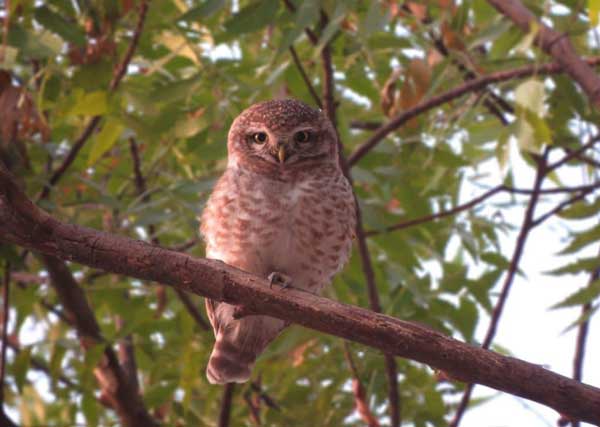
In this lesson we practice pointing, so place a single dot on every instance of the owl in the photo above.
(282, 210)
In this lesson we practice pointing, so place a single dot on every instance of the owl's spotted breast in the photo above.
(303, 228)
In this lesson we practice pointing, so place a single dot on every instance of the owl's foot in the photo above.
(276, 278)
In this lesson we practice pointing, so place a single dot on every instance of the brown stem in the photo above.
(140, 184)
(470, 86)
(24, 224)
(390, 363)
(116, 387)
(526, 227)
(5, 312)
(225, 412)
(307, 82)
(583, 190)
(120, 71)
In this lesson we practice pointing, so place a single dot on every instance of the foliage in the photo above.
(196, 66)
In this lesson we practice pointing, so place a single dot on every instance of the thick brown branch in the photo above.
(555, 44)
(472, 85)
(24, 224)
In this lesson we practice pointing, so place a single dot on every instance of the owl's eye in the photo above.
(260, 137)
(302, 136)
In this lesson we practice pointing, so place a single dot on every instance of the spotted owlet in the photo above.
(282, 210)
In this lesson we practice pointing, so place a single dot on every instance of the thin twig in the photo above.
(4, 419)
(358, 389)
(309, 33)
(225, 412)
(390, 362)
(5, 310)
(470, 86)
(560, 207)
(479, 199)
(269, 401)
(526, 227)
(305, 77)
(254, 409)
(120, 71)
(434, 217)
(329, 104)
(140, 184)
(582, 334)
(575, 153)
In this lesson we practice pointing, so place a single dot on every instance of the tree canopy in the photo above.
(114, 116)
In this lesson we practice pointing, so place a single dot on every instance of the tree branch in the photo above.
(304, 75)
(116, 387)
(470, 86)
(225, 412)
(585, 189)
(4, 419)
(24, 224)
(140, 184)
(555, 44)
(390, 363)
(526, 227)
(120, 71)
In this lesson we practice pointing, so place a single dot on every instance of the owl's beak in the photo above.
(281, 153)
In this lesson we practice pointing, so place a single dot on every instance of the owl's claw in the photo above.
(280, 279)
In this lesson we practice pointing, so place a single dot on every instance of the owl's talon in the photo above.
(280, 279)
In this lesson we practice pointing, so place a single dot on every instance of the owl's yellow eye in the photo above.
(260, 137)
(302, 136)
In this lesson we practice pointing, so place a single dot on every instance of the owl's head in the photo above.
(281, 135)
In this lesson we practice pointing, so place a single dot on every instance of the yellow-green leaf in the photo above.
(105, 140)
(594, 11)
(89, 104)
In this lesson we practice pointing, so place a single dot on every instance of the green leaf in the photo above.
(90, 104)
(252, 18)
(54, 22)
(89, 407)
(533, 131)
(581, 240)
(160, 393)
(105, 140)
(306, 15)
(205, 10)
(593, 12)
(20, 367)
(587, 265)
(582, 296)
(466, 318)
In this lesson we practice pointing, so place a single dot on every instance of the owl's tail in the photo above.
(237, 346)
(228, 363)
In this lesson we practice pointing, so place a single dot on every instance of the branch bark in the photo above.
(24, 224)
(555, 44)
